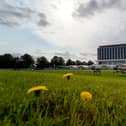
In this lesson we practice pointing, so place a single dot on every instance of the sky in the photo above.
(68, 28)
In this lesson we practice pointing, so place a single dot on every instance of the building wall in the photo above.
(114, 54)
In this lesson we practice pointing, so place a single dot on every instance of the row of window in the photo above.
(111, 53)
(112, 62)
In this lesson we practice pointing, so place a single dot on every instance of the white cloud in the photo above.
(87, 33)
(52, 20)
(12, 14)
(96, 6)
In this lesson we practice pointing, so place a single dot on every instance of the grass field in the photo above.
(61, 105)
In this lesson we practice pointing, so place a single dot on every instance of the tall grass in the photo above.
(61, 105)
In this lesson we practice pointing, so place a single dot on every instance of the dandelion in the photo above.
(85, 95)
(37, 90)
(68, 75)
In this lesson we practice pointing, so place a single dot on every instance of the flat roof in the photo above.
(113, 45)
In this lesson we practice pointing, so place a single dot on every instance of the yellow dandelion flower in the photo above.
(68, 75)
(85, 95)
(37, 88)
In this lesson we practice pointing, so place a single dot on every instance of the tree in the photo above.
(57, 61)
(84, 63)
(90, 62)
(70, 62)
(61, 61)
(18, 63)
(6, 61)
(78, 62)
(42, 62)
(28, 61)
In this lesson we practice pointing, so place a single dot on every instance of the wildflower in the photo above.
(37, 89)
(86, 95)
(68, 75)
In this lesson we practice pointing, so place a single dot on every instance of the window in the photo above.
(125, 53)
(108, 54)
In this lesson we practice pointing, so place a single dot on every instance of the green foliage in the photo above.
(27, 60)
(6, 61)
(42, 62)
(70, 62)
(61, 104)
(57, 61)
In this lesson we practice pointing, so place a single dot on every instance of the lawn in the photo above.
(61, 104)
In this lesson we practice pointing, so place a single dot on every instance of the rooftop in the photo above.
(114, 45)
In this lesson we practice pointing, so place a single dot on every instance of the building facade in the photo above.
(112, 54)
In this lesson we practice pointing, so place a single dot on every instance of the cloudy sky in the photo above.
(69, 28)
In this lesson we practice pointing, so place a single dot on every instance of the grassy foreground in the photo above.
(61, 105)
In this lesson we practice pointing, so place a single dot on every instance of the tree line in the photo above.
(27, 61)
